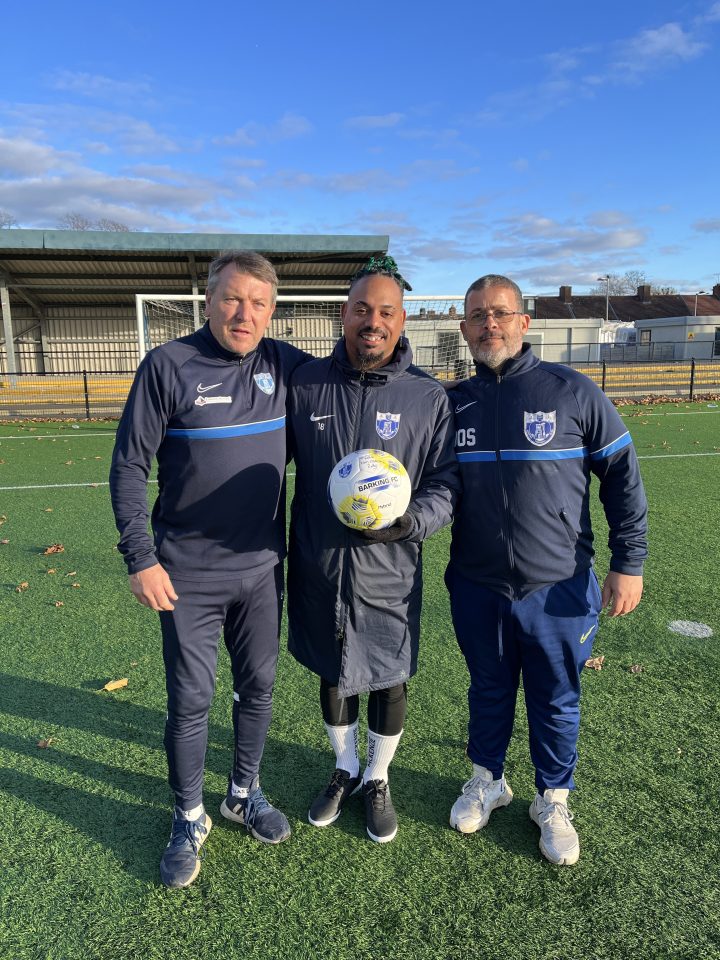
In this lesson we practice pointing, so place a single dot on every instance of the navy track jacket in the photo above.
(216, 422)
(353, 605)
(527, 442)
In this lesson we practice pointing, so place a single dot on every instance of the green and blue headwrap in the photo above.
(385, 266)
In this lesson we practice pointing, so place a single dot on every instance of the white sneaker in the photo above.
(480, 796)
(558, 839)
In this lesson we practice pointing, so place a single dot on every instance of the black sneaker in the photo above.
(264, 821)
(181, 859)
(328, 805)
(379, 811)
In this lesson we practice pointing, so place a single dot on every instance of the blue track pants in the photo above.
(248, 613)
(546, 636)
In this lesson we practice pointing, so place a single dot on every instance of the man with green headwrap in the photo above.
(354, 598)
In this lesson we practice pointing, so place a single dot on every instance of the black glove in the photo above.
(400, 530)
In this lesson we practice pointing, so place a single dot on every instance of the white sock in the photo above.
(344, 741)
(381, 750)
(193, 814)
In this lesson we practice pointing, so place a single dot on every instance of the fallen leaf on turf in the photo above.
(53, 548)
(134, 663)
(74, 584)
(73, 573)
(595, 663)
(59, 603)
(68, 463)
(636, 668)
(22, 587)
(93, 484)
(45, 743)
(3, 518)
(4, 541)
(52, 570)
(116, 684)
(97, 458)
(48, 509)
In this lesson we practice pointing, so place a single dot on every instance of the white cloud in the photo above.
(140, 202)
(96, 85)
(20, 156)
(534, 237)
(288, 127)
(656, 48)
(380, 121)
(712, 15)
(707, 226)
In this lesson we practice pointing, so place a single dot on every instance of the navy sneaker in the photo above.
(264, 821)
(380, 815)
(181, 859)
(328, 805)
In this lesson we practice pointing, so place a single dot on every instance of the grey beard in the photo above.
(491, 358)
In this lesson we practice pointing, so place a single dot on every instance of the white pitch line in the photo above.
(56, 436)
(58, 486)
(668, 456)
(673, 413)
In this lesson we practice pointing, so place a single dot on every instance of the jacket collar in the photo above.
(215, 349)
(523, 362)
(399, 362)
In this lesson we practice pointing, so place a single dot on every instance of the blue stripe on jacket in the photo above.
(233, 430)
(488, 456)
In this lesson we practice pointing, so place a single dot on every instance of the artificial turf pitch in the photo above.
(85, 818)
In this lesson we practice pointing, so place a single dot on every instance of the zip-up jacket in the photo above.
(527, 441)
(354, 605)
(216, 422)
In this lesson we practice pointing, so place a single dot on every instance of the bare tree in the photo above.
(7, 220)
(78, 221)
(626, 285)
(113, 225)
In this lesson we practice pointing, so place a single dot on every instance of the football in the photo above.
(369, 489)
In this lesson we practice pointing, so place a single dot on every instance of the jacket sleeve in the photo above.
(614, 461)
(434, 500)
(140, 433)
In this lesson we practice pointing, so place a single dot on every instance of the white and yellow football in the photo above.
(369, 489)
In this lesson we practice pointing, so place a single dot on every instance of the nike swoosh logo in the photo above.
(584, 637)
(464, 406)
(325, 416)
(202, 389)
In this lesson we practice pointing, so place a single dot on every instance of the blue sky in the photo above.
(552, 142)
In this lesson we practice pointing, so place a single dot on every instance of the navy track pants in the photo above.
(248, 613)
(546, 636)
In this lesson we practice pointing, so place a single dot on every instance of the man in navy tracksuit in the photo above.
(211, 408)
(523, 591)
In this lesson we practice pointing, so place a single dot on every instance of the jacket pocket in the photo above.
(569, 528)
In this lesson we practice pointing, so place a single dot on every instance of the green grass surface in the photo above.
(85, 820)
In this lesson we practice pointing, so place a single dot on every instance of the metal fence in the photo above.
(89, 395)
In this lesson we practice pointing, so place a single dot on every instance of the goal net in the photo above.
(314, 324)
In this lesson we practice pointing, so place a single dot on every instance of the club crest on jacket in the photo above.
(540, 427)
(265, 382)
(387, 425)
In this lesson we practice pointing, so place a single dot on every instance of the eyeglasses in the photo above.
(500, 316)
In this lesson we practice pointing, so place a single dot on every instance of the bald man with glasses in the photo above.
(524, 595)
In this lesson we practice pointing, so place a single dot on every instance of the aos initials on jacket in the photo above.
(527, 442)
(354, 605)
(216, 422)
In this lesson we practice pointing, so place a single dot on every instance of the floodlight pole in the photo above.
(606, 281)
(698, 294)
